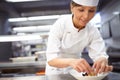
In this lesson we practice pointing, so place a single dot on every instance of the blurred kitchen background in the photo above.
(24, 28)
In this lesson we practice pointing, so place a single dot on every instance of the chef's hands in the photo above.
(81, 65)
(101, 65)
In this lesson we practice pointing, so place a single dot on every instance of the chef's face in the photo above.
(82, 15)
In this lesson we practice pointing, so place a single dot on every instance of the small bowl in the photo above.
(79, 76)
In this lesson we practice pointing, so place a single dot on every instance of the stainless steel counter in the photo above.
(13, 65)
(21, 68)
(111, 76)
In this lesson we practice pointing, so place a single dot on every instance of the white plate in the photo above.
(79, 76)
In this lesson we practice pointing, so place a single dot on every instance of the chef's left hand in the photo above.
(101, 65)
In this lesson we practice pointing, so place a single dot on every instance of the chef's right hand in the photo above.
(81, 65)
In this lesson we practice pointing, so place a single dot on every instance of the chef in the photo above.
(70, 35)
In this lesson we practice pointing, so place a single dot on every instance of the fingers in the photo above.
(101, 65)
(103, 68)
(83, 66)
(108, 68)
(96, 67)
(88, 67)
(79, 69)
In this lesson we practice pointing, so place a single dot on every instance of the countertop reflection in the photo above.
(111, 76)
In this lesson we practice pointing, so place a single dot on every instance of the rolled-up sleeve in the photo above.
(54, 41)
(96, 46)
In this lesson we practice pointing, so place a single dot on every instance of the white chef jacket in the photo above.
(66, 42)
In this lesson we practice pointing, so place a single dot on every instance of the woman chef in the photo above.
(70, 35)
